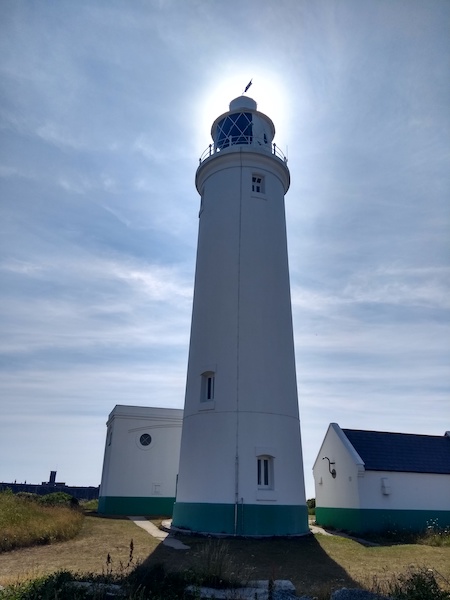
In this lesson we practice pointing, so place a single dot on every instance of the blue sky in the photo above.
(105, 107)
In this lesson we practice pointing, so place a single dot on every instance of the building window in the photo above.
(258, 184)
(208, 384)
(265, 472)
(145, 439)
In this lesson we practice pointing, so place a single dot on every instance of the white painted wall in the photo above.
(344, 490)
(241, 330)
(133, 470)
(407, 491)
(355, 487)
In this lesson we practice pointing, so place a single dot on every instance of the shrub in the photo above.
(311, 504)
(27, 496)
(58, 499)
(91, 505)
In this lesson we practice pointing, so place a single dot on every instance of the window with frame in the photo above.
(264, 467)
(208, 385)
(257, 184)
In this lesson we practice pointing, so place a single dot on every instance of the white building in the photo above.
(241, 469)
(374, 480)
(141, 461)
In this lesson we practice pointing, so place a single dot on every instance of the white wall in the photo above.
(343, 491)
(354, 487)
(407, 491)
(133, 470)
(242, 331)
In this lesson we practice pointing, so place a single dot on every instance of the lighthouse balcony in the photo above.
(251, 142)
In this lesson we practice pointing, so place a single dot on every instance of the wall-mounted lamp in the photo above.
(332, 471)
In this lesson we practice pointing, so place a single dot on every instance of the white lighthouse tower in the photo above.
(241, 468)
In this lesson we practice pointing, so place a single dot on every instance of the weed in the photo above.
(156, 583)
(217, 568)
(434, 535)
(417, 583)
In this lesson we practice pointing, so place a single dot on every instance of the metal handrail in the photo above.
(249, 141)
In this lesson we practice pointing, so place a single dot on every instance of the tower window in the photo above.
(258, 184)
(208, 384)
(265, 472)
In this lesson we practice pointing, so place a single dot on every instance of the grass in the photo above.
(433, 535)
(26, 521)
(316, 565)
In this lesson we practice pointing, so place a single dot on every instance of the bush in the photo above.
(58, 499)
(91, 505)
(311, 504)
(27, 496)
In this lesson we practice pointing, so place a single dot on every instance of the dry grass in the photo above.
(315, 564)
(25, 522)
(86, 553)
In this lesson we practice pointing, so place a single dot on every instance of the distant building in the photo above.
(52, 486)
(141, 461)
(375, 480)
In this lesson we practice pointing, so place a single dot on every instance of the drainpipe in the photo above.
(236, 492)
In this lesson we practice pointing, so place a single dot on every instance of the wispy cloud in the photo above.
(104, 111)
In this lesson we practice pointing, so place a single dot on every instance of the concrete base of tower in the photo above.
(246, 520)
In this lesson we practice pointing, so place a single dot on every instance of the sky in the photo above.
(105, 109)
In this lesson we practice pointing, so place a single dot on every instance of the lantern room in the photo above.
(243, 124)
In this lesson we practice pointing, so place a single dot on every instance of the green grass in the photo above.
(26, 521)
(90, 505)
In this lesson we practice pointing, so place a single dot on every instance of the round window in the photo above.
(145, 439)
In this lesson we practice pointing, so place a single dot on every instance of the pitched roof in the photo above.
(383, 451)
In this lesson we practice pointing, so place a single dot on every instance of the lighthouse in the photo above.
(241, 468)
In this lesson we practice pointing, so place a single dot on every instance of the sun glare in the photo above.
(267, 90)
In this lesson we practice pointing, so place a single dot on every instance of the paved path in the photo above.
(169, 540)
(318, 529)
(165, 537)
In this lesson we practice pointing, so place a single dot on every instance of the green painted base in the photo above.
(365, 519)
(131, 505)
(249, 519)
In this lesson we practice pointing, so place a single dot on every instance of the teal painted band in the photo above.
(250, 519)
(132, 505)
(367, 519)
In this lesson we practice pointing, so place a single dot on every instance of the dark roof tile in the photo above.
(383, 451)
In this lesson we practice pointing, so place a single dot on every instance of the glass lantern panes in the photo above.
(234, 129)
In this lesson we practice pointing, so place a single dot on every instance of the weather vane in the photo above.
(248, 85)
